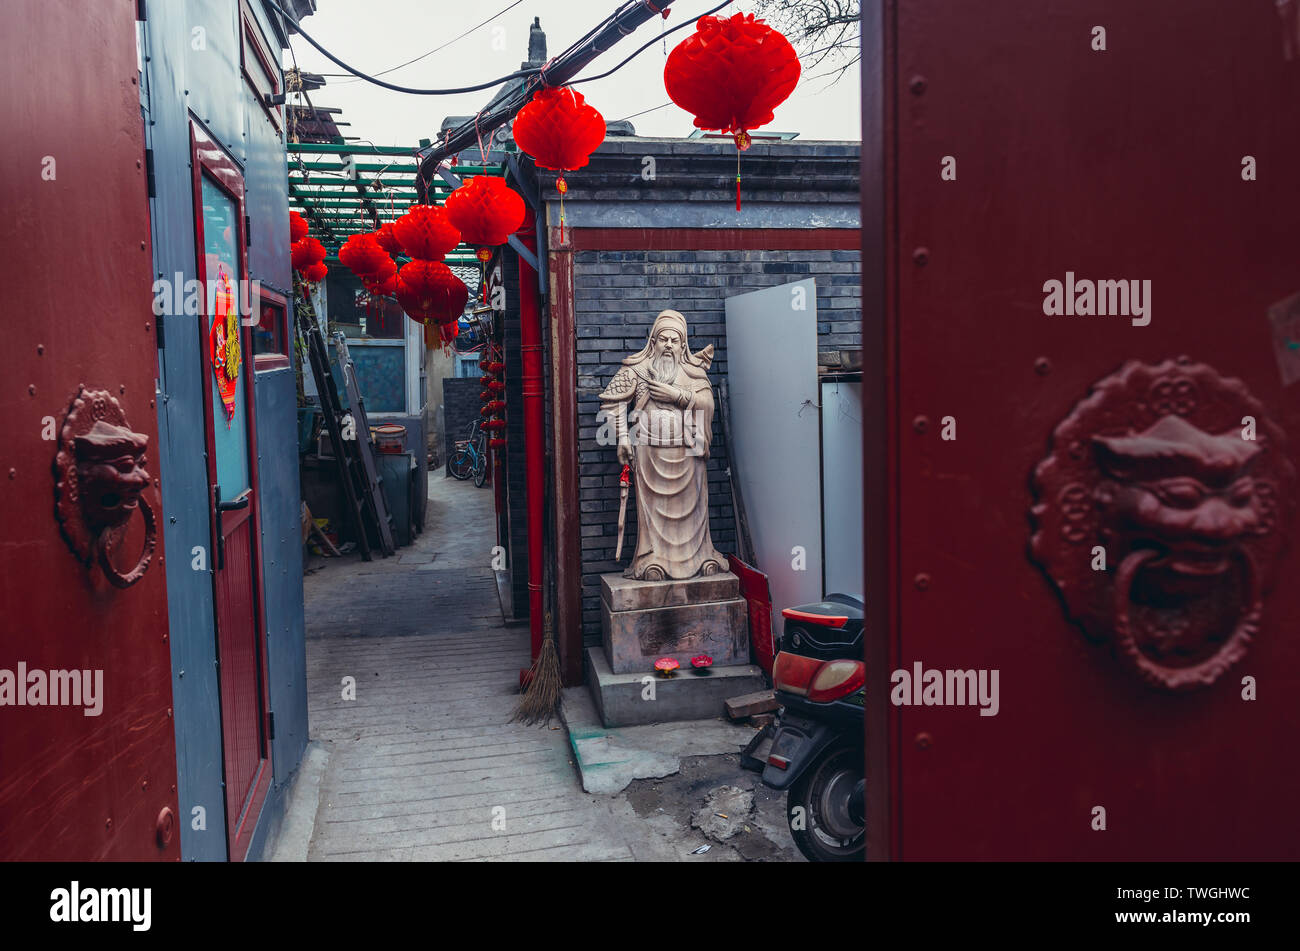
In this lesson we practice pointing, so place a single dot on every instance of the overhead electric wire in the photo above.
(680, 26)
(436, 49)
(387, 85)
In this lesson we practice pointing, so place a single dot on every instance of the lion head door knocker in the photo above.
(99, 484)
(1162, 512)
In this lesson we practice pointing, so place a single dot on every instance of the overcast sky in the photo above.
(374, 35)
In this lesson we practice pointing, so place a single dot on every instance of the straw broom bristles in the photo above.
(540, 701)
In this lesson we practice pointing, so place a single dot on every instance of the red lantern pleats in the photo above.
(425, 233)
(486, 210)
(363, 255)
(315, 273)
(297, 227)
(387, 240)
(382, 281)
(429, 292)
(560, 131)
(731, 75)
(305, 252)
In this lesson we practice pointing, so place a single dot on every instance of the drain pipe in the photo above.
(530, 333)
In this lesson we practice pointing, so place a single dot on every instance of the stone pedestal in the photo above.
(642, 621)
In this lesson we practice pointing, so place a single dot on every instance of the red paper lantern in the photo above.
(429, 291)
(496, 386)
(495, 424)
(305, 252)
(297, 227)
(484, 395)
(497, 443)
(315, 273)
(486, 210)
(387, 240)
(558, 129)
(425, 233)
(732, 74)
(384, 277)
(363, 255)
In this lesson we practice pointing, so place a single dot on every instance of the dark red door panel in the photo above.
(1121, 686)
(94, 776)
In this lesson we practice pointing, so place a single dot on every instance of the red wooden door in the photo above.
(1160, 683)
(88, 761)
(232, 471)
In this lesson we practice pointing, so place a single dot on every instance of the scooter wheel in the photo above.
(824, 823)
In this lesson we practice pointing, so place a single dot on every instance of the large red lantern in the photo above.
(486, 210)
(363, 255)
(429, 291)
(732, 74)
(383, 281)
(315, 273)
(425, 234)
(560, 131)
(387, 240)
(297, 227)
(305, 252)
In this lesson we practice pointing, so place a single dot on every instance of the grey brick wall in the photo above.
(617, 295)
(461, 406)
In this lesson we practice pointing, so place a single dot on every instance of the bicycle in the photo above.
(470, 457)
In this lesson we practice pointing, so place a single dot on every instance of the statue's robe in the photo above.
(672, 493)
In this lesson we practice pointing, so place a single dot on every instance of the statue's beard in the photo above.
(663, 369)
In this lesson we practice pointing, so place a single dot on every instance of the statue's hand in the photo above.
(664, 392)
(625, 455)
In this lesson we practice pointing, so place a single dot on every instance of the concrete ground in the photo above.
(424, 764)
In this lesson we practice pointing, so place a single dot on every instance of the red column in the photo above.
(534, 426)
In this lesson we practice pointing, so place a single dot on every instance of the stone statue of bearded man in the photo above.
(661, 407)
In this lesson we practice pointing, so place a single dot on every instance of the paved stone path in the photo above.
(424, 763)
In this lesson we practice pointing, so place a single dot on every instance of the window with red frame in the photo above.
(270, 333)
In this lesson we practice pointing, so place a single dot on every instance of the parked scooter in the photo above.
(817, 754)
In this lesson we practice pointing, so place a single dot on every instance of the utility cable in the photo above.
(680, 26)
(387, 85)
(436, 49)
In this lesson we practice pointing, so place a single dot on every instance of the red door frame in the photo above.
(208, 156)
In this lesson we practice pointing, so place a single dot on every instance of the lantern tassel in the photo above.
(738, 179)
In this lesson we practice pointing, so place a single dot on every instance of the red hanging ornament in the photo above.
(732, 74)
(486, 210)
(387, 240)
(425, 234)
(495, 424)
(429, 291)
(363, 255)
(384, 277)
(305, 252)
(450, 329)
(315, 273)
(297, 227)
(495, 386)
(497, 443)
(560, 131)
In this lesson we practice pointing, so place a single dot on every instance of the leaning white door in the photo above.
(775, 423)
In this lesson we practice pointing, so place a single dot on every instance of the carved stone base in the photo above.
(642, 621)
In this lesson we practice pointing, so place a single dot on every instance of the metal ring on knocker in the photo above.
(105, 540)
(1196, 675)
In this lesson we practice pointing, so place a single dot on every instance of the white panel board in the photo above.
(773, 391)
(842, 487)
